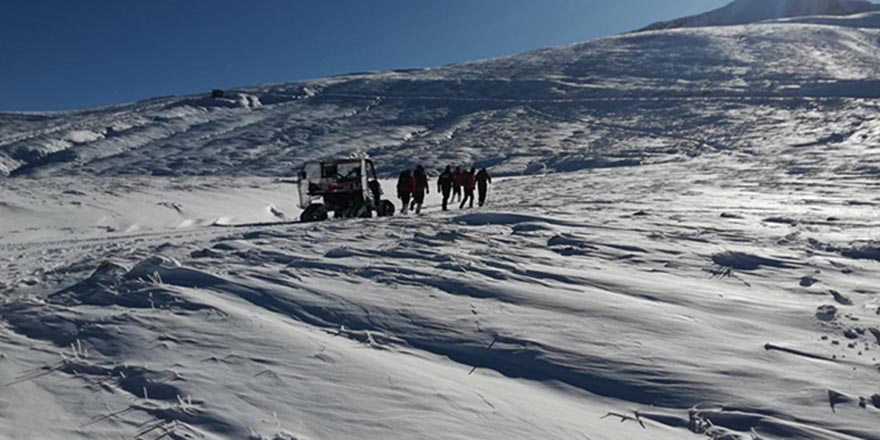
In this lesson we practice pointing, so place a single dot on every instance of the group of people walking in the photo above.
(412, 186)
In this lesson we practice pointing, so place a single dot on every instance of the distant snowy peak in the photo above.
(752, 11)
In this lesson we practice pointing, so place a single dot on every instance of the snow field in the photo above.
(683, 309)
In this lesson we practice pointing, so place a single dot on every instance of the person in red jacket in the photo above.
(457, 182)
(470, 182)
(483, 181)
(421, 188)
(406, 186)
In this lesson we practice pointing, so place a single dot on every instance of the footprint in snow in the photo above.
(323, 357)
(808, 281)
(876, 333)
(175, 206)
(841, 299)
(276, 212)
(826, 313)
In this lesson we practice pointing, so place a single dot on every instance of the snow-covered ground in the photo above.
(686, 245)
(713, 292)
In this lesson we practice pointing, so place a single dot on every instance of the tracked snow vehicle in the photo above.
(347, 187)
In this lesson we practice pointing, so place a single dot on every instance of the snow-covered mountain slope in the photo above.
(753, 11)
(866, 20)
(718, 298)
(637, 98)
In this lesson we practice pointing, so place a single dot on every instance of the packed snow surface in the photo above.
(673, 296)
(686, 245)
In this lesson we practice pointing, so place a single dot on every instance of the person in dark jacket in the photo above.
(483, 181)
(444, 185)
(457, 182)
(469, 183)
(421, 188)
(406, 185)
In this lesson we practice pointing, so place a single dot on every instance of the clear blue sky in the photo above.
(65, 54)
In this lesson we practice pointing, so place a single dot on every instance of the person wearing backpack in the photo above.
(483, 180)
(421, 188)
(470, 183)
(444, 185)
(406, 186)
(457, 182)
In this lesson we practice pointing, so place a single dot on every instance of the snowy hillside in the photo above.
(753, 11)
(637, 98)
(864, 20)
(685, 245)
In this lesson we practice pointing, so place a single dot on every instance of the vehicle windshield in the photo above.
(341, 170)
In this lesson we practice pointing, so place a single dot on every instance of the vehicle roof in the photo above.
(340, 161)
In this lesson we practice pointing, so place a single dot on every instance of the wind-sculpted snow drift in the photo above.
(685, 247)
